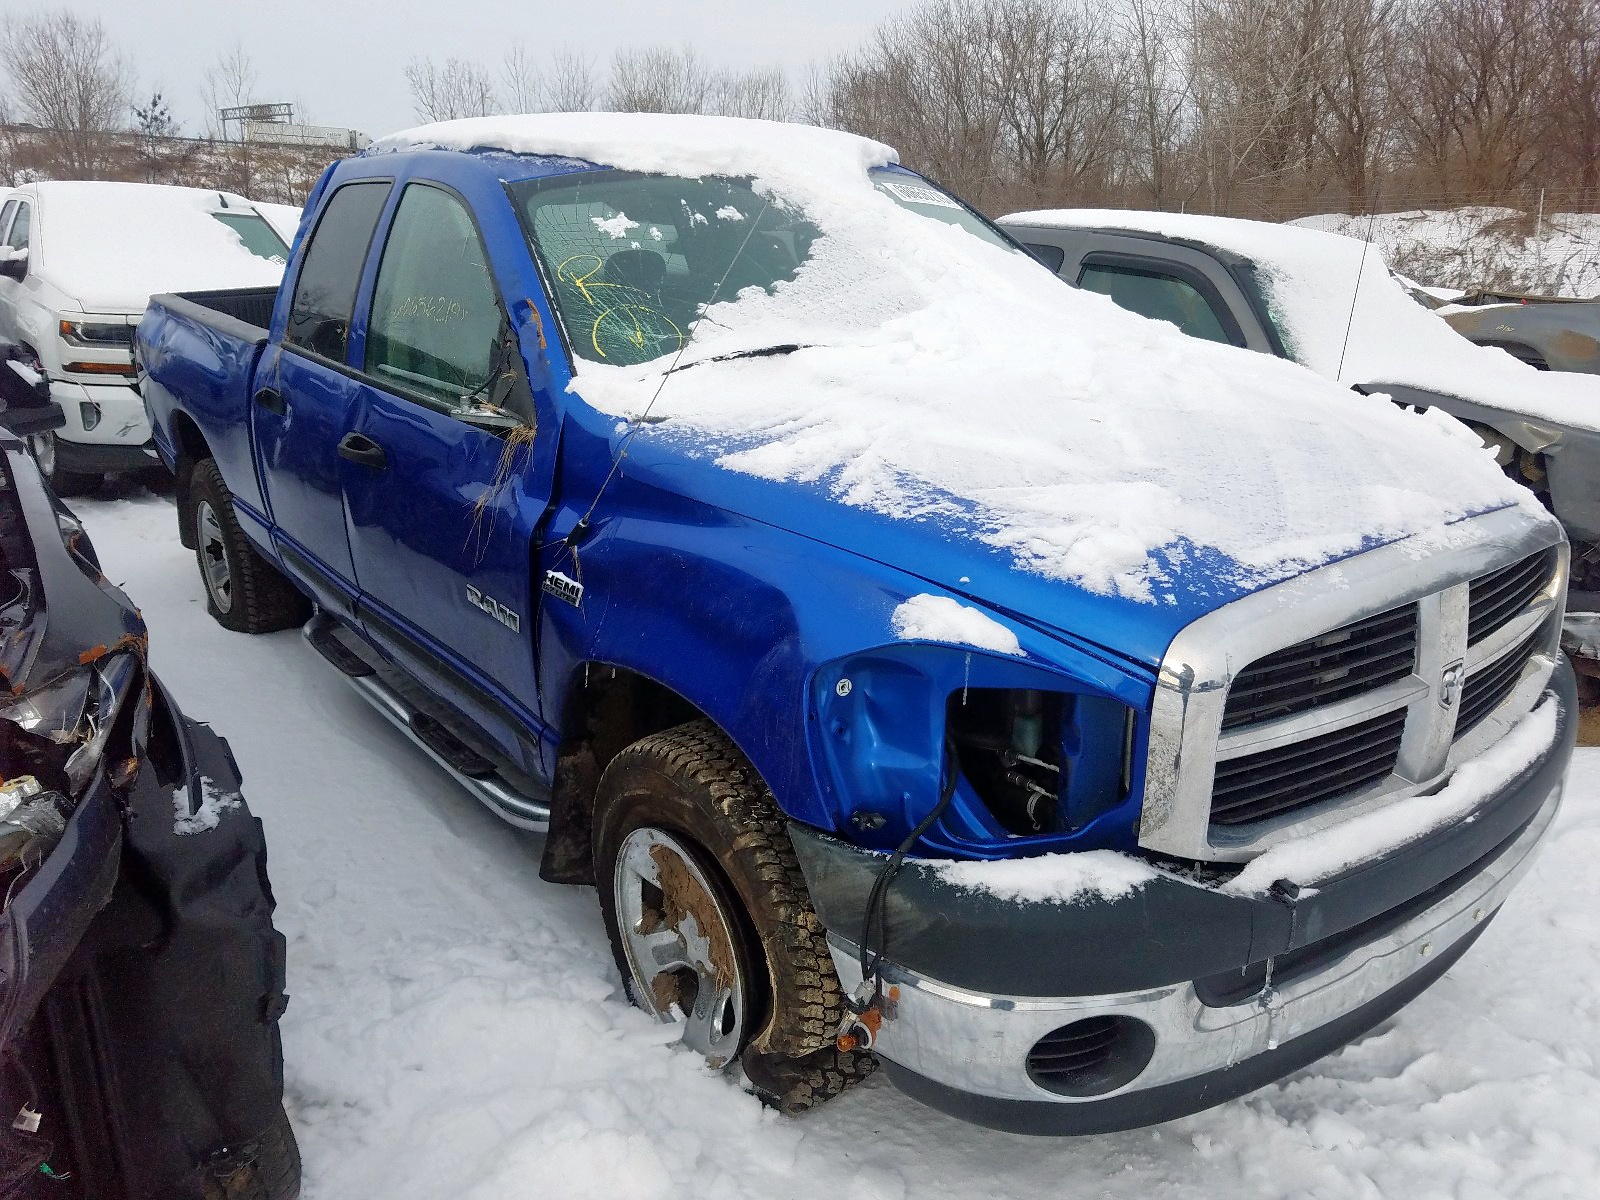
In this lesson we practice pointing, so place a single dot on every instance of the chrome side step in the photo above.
(505, 802)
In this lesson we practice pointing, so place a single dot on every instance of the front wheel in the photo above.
(709, 918)
(45, 450)
(244, 592)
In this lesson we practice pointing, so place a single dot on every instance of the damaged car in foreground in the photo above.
(141, 978)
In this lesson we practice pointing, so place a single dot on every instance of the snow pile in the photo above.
(1331, 851)
(958, 383)
(940, 619)
(111, 246)
(213, 803)
(456, 1027)
(1061, 878)
(1482, 248)
(1310, 279)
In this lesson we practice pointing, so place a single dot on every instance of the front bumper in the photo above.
(977, 981)
(122, 419)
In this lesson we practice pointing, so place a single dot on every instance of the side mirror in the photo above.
(14, 265)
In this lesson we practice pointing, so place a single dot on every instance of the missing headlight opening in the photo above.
(1009, 743)
(1041, 761)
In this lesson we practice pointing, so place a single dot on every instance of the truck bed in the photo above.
(250, 308)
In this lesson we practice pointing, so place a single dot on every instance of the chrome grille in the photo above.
(1315, 730)
(1487, 689)
(1344, 662)
(1497, 597)
(1271, 782)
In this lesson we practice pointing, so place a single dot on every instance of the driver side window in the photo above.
(436, 321)
(20, 226)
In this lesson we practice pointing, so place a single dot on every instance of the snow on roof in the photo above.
(1310, 276)
(111, 246)
(955, 382)
(665, 142)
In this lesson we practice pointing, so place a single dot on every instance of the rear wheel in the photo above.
(709, 918)
(244, 592)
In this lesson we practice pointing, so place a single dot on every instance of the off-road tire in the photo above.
(693, 783)
(263, 600)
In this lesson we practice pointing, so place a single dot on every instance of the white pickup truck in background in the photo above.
(78, 264)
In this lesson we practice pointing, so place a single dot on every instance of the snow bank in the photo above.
(1483, 247)
(957, 383)
(1310, 278)
(1330, 851)
(940, 619)
(1061, 878)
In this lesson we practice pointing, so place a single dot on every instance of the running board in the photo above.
(505, 802)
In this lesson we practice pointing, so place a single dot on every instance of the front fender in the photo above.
(737, 617)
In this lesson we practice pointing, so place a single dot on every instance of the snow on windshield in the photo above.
(1310, 280)
(947, 379)
(111, 246)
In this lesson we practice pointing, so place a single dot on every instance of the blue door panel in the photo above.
(297, 453)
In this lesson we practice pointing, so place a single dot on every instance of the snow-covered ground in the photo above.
(1483, 248)
(456, 1030)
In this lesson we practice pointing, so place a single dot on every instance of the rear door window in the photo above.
(1160, 297)
(325, 292)
(436, 319)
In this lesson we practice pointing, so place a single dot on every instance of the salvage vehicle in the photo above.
(1330, 303)
(1547, 333)
(143, 979)
(927, 663)
(78, 264)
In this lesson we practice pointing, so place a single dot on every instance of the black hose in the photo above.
(880, 885)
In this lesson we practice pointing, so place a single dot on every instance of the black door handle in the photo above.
(359, 448)
(272, 400)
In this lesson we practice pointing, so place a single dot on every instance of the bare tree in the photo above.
(520, 83)
(760, 92)
(1159, 93)
(230, 82)
(570, 85)
(660, 79)
(457, 88)
(70, 80)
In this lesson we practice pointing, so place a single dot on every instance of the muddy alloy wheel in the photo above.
(681, 944)
(709, 918)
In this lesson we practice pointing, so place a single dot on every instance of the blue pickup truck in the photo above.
(928, 664)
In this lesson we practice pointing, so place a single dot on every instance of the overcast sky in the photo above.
(341, 62)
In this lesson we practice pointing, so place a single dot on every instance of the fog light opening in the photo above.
(1093, 1056)
(89, 413)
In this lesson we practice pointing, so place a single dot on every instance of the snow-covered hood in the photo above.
(1309, 279)
(111, 246)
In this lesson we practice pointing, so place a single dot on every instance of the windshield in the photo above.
(258, 237)
(634, 259)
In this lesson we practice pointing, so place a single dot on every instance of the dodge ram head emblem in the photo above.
(1450, 684)
(494, 608)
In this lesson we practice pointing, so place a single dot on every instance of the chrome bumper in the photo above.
(978, 1043)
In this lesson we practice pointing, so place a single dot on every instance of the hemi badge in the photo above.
(562, 588)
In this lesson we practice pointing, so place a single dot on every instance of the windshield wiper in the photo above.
(761, 352)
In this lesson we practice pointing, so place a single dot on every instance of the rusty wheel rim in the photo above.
(679, 942)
